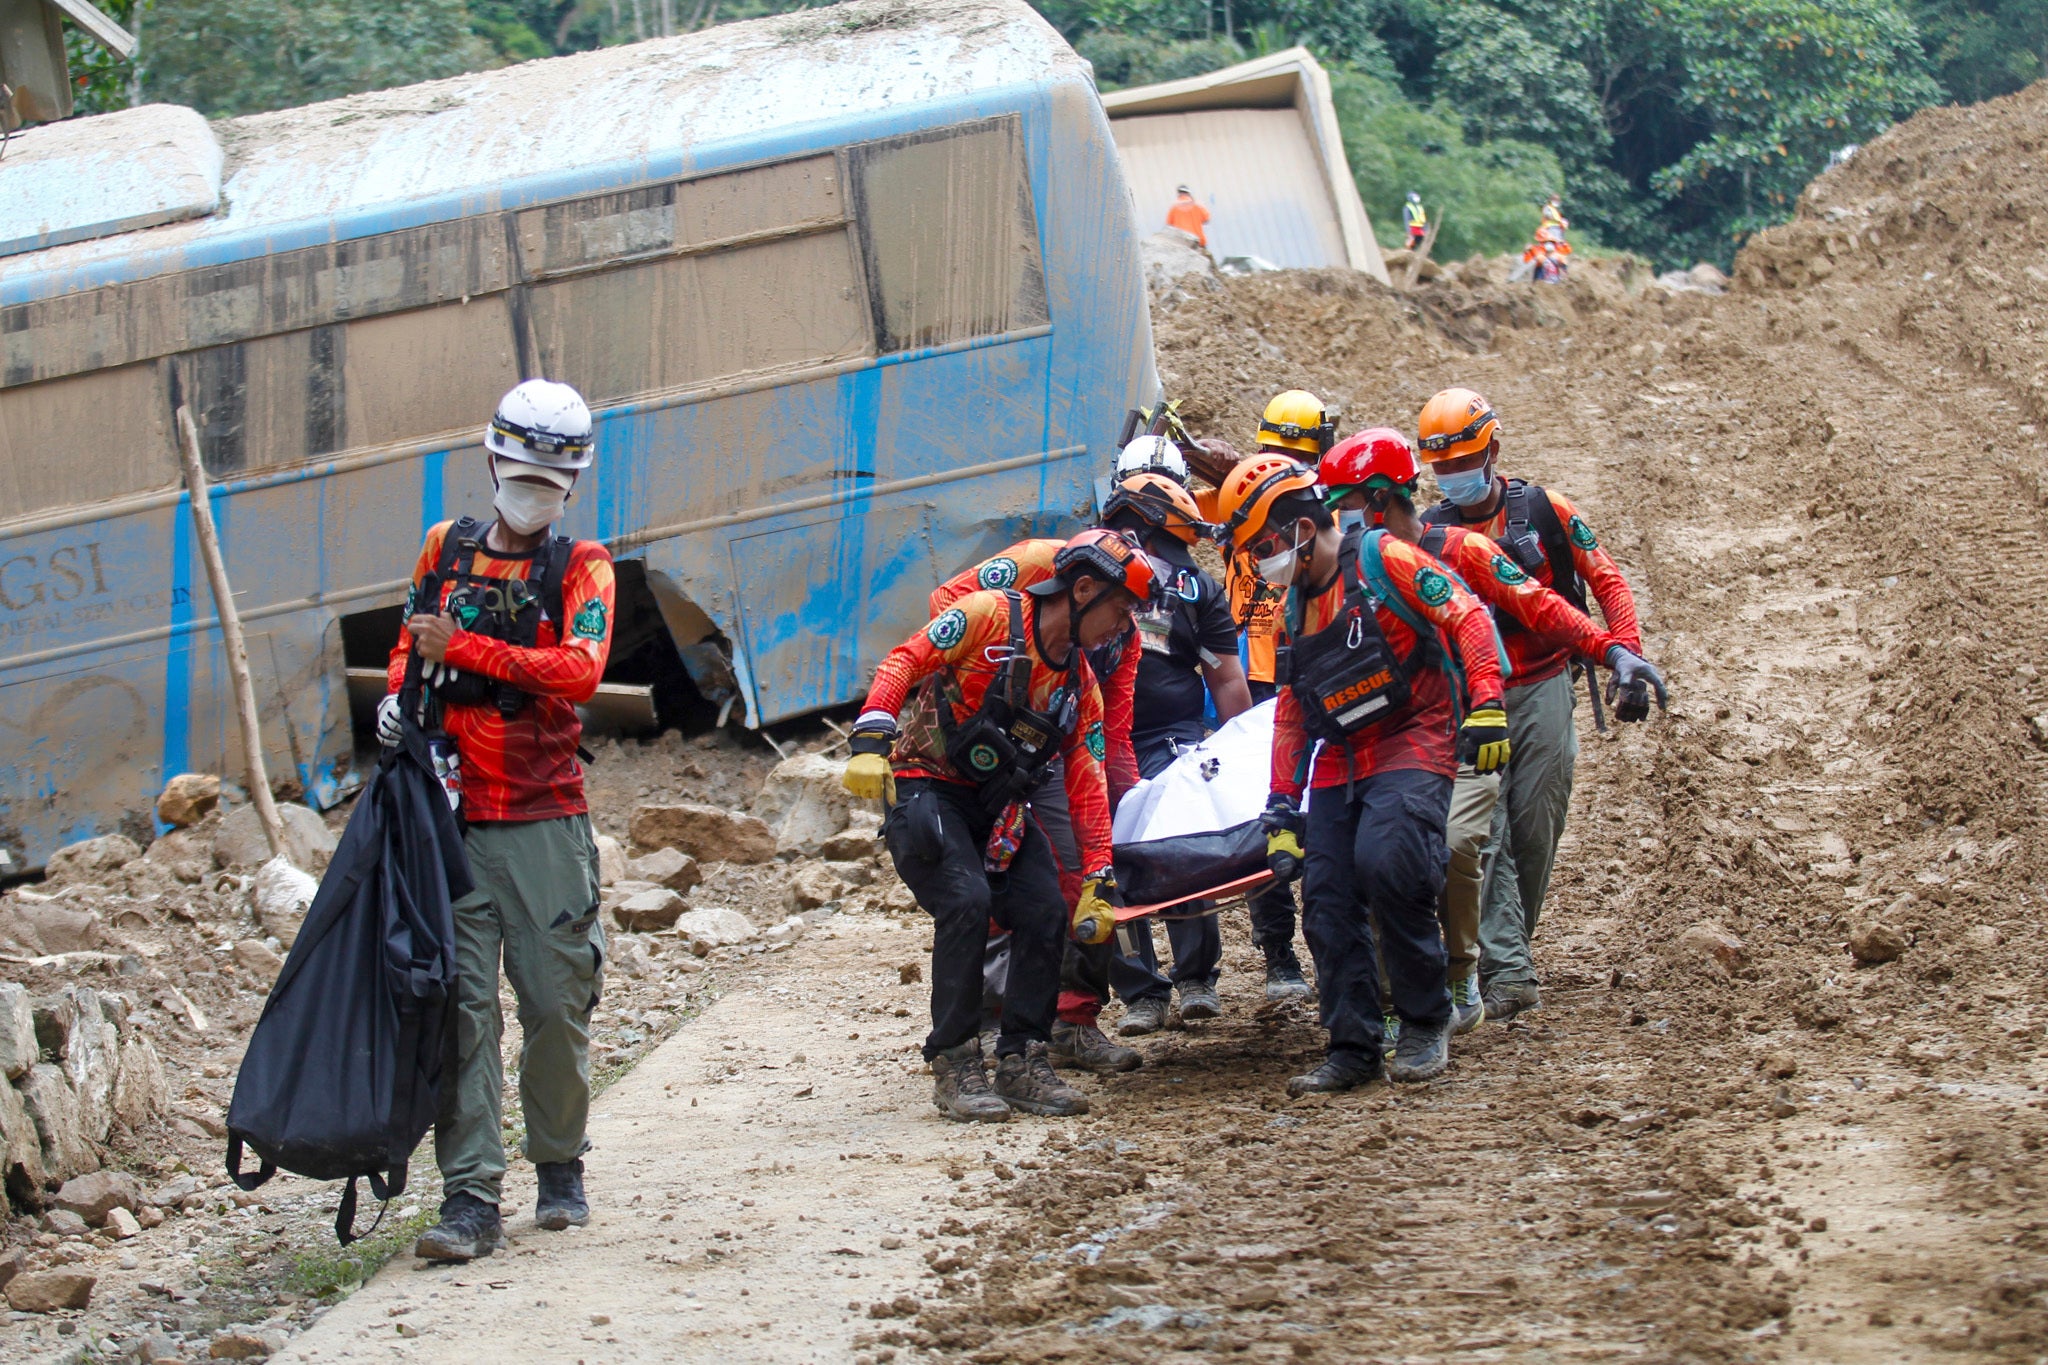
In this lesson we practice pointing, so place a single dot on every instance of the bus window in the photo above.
(685, 321)
(78, 440)
(278, 400)
(950, 235)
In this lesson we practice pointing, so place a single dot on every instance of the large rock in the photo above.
(1711, 940)
(255, 957)
(93, 1196)
(715, 925)
(668, 867)
(140, 1090)
(804, 802)
(187, 799)
(649, 910)
(1873, 942)
(42, 925)
(611, 860)
(92, 860)
(18, 1049)
(73, 1027)
(53, 1108)
(814, 885)
(280, 895)
(1168, 254)
(21, 1147)
(49, 1291)
(239, 841)
(706, 833)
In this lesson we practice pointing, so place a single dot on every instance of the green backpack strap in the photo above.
(1372, 564)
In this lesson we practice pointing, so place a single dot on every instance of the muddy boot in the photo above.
(469, 1228)
(1333, 1075)
(1467, 1008)
(1198, 1001)
(1027, 1081)
(1146, 1014)
(561, 1201)
(1084, 1046)
(1284, 980)
(960, 1086)
(1505, 1000)
(1422, 1054)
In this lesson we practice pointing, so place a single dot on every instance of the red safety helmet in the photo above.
(1112, 556)
(1379, 457)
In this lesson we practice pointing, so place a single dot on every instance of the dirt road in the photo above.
(1726, 1136)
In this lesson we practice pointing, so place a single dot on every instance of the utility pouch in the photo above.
(1346, 676)
(923, 835)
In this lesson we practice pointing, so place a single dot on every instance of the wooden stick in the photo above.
(1422, 253)
(230, 634)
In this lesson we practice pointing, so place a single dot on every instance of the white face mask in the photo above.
(528, 507)
(1279, 569)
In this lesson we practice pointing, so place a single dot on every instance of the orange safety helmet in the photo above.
(1455, 423)
(1111, 556)
(1249, 491)
(1158, 501)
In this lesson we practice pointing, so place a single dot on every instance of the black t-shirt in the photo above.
(1195, 617)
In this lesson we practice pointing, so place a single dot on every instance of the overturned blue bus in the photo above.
(855, 301)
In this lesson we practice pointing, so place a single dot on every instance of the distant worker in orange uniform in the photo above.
(1188, 215)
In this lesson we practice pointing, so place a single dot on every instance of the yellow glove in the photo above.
(868, 777)
(1483, 739)
(1095, 913)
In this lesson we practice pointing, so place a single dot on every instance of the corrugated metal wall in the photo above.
(1255, 169)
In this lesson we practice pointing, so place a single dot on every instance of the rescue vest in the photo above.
(1533, 537)
(1005, 746)
(508, 609)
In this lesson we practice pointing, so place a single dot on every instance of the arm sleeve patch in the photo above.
(589, 623)
(949, 628)
(1098, 743)
(1582, 534)
(1432, 587)
(1000, 572)
(1507, 571)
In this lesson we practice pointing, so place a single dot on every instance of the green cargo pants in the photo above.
(1528, 820)
(536, 904)
(1469, 835)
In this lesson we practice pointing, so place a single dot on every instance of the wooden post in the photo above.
(1421, 253)
(230, 634)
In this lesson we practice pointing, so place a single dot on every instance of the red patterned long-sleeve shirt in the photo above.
(1535, 658)
(961, 651)
(1547, 621)
(1417, 735)
(523, 767)
(1028, 562)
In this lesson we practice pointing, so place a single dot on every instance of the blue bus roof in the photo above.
(540, 130)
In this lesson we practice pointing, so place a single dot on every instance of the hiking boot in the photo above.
(1332, 1075)
(1084, 1046)
(960, 1086)
(1467, 1009)
(1198, 1001)
(1504, 1000)
(561, 1202)
(1422, 1054)
(469, 1228)
(1284, 980)
(1390, 1033)
(1146, 1014)
(1027, 1081)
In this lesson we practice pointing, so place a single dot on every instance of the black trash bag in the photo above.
(342, 1077)
(1160, 870)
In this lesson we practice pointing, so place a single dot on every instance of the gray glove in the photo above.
(1634, 679)
(389, 732)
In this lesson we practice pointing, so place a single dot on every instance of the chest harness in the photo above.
(1533, 537)
(508, 609)
(1004, 747)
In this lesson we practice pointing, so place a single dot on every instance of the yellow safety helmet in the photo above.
(1295, 420)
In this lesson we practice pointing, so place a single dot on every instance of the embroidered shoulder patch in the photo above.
(1000, 572)
(1582, 534)
(1432, 587)
(1098, 744)
(947, 629)
(589, 622)
(1507, 571)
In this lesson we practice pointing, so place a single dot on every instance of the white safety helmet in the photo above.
(1152, 455)
(544, 424)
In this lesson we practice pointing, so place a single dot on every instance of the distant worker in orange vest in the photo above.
(1188, 215)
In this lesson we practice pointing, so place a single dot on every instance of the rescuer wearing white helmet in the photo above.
(1152, 455)
(512, 625)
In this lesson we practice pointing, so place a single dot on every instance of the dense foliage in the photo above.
(1673, 127)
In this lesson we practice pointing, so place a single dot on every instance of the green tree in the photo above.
(1979, 49)
(226, 57)
(100, 81)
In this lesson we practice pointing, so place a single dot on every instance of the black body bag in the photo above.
(1186, 865)
(342, 1076)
